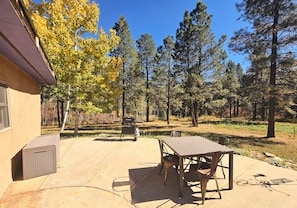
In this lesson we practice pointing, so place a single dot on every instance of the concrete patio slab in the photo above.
(106, 172)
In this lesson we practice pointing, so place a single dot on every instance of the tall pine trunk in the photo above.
(168, 103)
(271, 114)
(123, 93)
(193, 114)
(147, 96)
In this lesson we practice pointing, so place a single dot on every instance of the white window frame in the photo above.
(4, 107)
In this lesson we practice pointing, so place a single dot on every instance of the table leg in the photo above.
(230, 170)
(181, 176)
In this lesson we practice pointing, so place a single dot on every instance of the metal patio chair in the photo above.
(222, 141)
(168, 160)
(205, 174)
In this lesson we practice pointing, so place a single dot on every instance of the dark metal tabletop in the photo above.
(194, 145)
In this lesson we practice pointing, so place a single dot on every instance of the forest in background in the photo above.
(190, 75)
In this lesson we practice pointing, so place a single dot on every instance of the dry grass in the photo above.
(247, 138)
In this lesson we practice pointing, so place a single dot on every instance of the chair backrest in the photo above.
(215, 159)
(160, 146)
(175, 133)
(223, 141)
(163, 149)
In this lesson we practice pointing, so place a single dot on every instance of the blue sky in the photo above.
(160, 18)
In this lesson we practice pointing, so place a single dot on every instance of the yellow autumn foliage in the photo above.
(81, 61)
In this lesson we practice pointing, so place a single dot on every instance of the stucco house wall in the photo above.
(24, 107)
(23, 67)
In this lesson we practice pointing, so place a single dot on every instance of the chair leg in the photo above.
(167, 165)
(161, 168)
(218, 188)
(165, 175)
(203, 183)
(223, 169)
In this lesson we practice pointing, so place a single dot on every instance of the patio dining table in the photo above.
(195, 146)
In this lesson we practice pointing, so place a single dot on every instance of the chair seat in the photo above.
(171, 158)
(203, 171)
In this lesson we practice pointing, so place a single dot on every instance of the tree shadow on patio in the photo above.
(147, 185)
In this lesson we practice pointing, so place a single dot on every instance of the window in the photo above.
(4, 112)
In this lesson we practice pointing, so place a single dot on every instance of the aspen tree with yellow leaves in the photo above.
(79, 54)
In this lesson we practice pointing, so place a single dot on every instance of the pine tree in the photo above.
(273, 25)
(166, 86)
(194, 56)
(172, 85)
(127, 52)
(146, 54)
(158, 84)
(217, 97)
(231, 83)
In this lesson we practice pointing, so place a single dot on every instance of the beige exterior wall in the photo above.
(25, 119)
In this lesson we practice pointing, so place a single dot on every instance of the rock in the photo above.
(267, 154)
